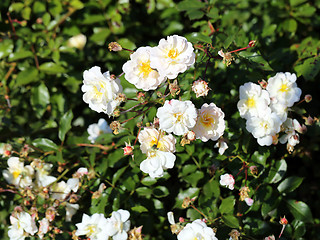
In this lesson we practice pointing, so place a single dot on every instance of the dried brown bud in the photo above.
(51, 214)
(227, 57)
(186, 202)
(135, 233)
(121, 97)
(115, 127)
(114, 46)
(234, 234)
(184, 141)
(244, 193)
(174, 88)
(253, 170)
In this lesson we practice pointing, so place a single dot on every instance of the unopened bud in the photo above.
(252, 43)
(116, 113)
(200, 88)
(308, 98)
(263, 83)
(141, 96)
(114, 46)
(128, 149)
(283, 221)
(181, 220)
(191, 135)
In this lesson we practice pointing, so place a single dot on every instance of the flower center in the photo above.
(264, 125)
(16, 174)
(145, 68)
(173, 53)
(155, 142)
(178, 117)
(207, 119)
(284, 88)
(251, 102)
(91, 230)
(97, 93)
(198, 237)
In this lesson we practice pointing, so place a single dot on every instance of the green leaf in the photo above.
(21, 54)
(160, 191)
(290, 25)
(211, 189)
(139, 209)
(306, 10)
(51, 68)
(256, 60)
(260, 157)
(100, 35)
(65, 124)
(118, 174)
(148, 181)
(144, 191)
(309, 68)
(45, 144)
(40, 98)
(195, 37)
(276, 173)
(227, 205)
(300, 210)
(195, 14)
(294, 3)
(27, 76)
(190, 5)
(190, 192)
(299, 228)
(289, 184)
(26, 13)
(6, 47)
(230, 221)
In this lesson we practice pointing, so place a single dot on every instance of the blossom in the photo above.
(290, 136)
(138, 71)
(43, 228)
(222, 145)
(77, 41)
(197, 230)
(93, 227)
(100, 90)
(253, 100)
(118, 225)
(21, 224)
(156, 162)
(96, 129)
(264, 127)
(227, 180)
(172, 56)
(42, 174)
(283, 88)
(249, 201)
(280, 109)
(177, 116)
(60, 190)
(150, 137)
(200, 88)
(18, 174)
(210, 123)
(82, 171)
(73, 184)
(71, 209)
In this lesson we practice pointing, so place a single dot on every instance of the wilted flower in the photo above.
(244, 193)
(96, 129)
(100, 90)
(210, 123)
(78, 41)
(227, 57)
(138, 71)
(200, 88)
(177, 116)
(227, 180)
(43, 228)
(81, 172)
(234, 234)
(118, 225)
(156, 162)
(135, 233)
(93, 227)
(115, 126)
(172, 56)
(114, 46)
(197, 230)
(42, 173)
(272, 237)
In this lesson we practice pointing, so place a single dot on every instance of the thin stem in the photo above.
(35, 56)
(13, 28)
(199, 211)
(105, 148)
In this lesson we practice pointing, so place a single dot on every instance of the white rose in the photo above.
(283, 88)
(156, 162)
(60, 190)
(93, 227)
(21, 224)
(227, 180)
(200, 88)
(78, 41)
(172, 56)
(118, 225)
(150, 136)
(253, 100)
(177, 116)
(210, 123)
(100, 91)
(95, 129)
(138, 71)
(197, 230)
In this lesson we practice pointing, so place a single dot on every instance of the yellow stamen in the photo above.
(284, 88)
(91, 230)
(251, 102)
(173, 53)
(207, 119)
(178, 117)
(145, 68)
(16, 174)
